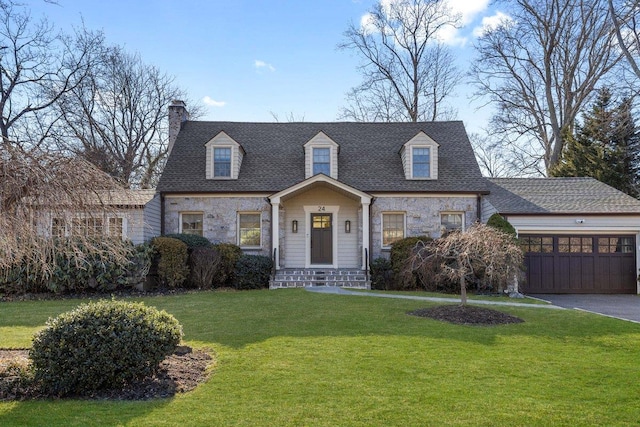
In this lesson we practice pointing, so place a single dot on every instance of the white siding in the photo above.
(348, 245)
(135, 225)
(151, 214)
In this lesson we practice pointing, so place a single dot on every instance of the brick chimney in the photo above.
(178, 114)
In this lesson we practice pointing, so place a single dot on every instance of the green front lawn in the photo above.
(291, 357)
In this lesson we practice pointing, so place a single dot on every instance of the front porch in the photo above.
(306, 277)
(320, 224)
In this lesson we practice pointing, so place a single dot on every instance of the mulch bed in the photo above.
(466, 315)
(178, 373)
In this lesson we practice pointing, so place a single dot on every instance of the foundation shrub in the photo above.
(102, 345)
(401, 253)
(172, 261)
(381, 274)
(252, 272)
(204, 265)
(498, 222)
(229, 256)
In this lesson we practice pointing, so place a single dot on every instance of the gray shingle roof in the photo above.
(558, 196)
(369, 158)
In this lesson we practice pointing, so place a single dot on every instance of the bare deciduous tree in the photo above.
(407, 73)
(117, 117)
(625, 17)
(540, 67)
(37, 67)
(463, 255)
(37, 187)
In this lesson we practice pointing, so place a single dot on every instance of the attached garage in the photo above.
(579, 236)
(579, 264)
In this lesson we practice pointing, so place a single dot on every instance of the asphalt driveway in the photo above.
(625, 307)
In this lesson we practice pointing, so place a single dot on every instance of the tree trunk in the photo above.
(463, 291)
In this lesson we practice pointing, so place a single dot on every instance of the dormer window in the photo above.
(322, 161)
(321, 156)
(224, 157)
(420, 157)
(421, 162)
(222, 162)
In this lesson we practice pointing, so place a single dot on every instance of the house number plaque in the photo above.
(321, 208)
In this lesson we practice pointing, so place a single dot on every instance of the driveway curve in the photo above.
(625, 307)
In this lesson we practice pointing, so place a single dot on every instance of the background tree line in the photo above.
(541, 68)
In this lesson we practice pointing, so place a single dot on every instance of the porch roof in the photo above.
(321, 180)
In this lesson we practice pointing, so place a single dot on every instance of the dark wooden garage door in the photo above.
(578, 264)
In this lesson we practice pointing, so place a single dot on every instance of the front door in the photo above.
(321, 238)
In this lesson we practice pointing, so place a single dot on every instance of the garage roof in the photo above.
(558, 196)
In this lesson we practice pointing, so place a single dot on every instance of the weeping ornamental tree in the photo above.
(461, 256)
(36, 188)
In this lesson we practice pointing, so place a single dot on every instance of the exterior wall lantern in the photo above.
(347, 226)
(294, 226)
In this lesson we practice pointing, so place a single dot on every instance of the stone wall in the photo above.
(220, 217)
(422, 215)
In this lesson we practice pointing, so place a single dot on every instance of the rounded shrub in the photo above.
(102, 345)
(229, 256)
(252, 272)
(497, 221)
(400, 252)
(172, 263)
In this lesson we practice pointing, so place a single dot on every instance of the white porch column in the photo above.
(275, 231)
(365, 232)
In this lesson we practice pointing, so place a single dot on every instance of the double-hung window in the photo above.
(191, 223)
(421, 162)
(249, 229)
(451, 221)
(322, 161)
(222, 162)
(392, 228)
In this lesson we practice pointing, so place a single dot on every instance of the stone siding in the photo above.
(220, 217)
(422, 215)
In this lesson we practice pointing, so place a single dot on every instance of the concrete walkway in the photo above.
(343, 291)
(624, 307)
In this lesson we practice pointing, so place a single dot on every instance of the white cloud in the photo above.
(263, 65)
(212, 102)
(466, 9)
(491, 22)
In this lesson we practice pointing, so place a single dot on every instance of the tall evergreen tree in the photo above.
(605, 146)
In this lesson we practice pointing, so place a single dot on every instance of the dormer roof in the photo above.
(368, 157)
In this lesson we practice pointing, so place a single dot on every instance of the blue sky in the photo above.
(248, 58)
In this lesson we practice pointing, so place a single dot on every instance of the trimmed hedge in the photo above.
(71, 273)
(229, 256)
(102, 345)
(252, 272)
(381, 274)
(401, 250)
(172, 263)
(498, 222)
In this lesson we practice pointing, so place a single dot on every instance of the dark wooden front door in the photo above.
(321, 239)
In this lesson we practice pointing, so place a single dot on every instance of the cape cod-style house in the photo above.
(324, 199)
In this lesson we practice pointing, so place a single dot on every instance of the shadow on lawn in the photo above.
(69, 412)
(236, 319)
